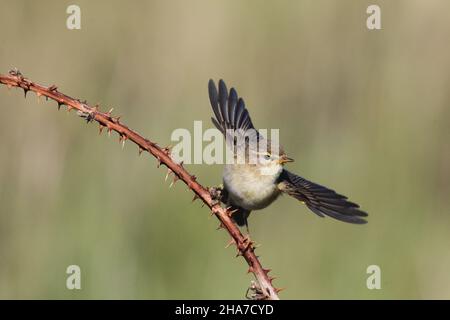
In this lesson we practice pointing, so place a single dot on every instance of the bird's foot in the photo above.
(217, 194)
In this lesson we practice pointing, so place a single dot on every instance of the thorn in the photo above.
(256, 245)
(122, 139)
(95, 108)
(25, 91)
(159, 162)
(230, 243)
(221, 226)
(266, 271)
(277, 290)
(140, 150)
(167, 174)
(248, 243)
(69, 108)
(166, 150)
(59, 105)
(115, 119)
(109, 129)
(195, 197)
(181, 163)
(250, 270)
(110, 111)
(100, 128)
(52, 88)
(175, 179)
(271, 279)
(193, 177)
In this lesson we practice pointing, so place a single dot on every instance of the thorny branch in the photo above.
(263, 288)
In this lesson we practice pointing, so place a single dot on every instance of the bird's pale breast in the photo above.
(250, 189)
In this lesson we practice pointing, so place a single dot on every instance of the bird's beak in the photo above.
(285, 159)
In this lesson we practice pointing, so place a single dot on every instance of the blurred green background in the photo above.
(364, 112)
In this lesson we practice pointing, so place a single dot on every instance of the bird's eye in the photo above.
(267, 156)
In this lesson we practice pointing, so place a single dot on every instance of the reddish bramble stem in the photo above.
(264, 288)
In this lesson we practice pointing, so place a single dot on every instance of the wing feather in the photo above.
(229, 111)
(321, 200)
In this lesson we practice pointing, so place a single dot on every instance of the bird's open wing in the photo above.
(231, 116)
(321, 200)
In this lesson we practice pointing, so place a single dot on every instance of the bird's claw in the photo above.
(216, 194)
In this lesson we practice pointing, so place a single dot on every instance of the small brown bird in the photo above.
(253, 185)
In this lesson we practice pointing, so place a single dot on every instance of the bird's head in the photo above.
(269, 158)
(271, 163)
